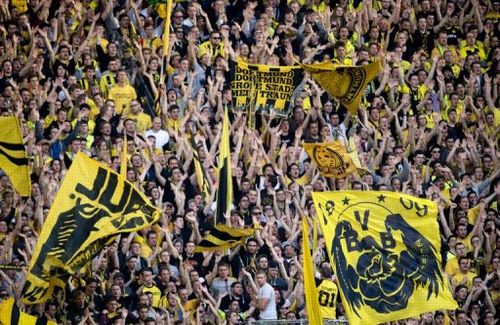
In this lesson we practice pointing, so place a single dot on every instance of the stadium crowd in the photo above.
(83, 74)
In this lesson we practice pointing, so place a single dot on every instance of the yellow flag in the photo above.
(124, 158)
(225, 190)
(313, 309)
(331, 158)
(166, 31)
(93, 205)
(11, 315)
(385, 248)
(345, 83)
(13, 159)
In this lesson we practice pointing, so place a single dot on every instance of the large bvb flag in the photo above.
(225, 190)
(385, 249)
(92, 206)
(13, 159)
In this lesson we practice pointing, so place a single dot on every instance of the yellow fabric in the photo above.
(156, 295)
(311, 295)
(11, 315)
(214, 51)
(166, 31)
(386, 252)
(21, 5)
(331, 158)
(122, 97)
(142, 121)
(476, 48)
(302, 180)
(13, 160)
(473, 213)
(465, 279)
(124, 158)
(92, 206)
(451, 268)
(466, 242)
(90, 123)
(172, 124)
(345, 83)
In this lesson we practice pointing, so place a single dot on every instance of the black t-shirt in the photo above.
(243, 301)
(75, 314)
(454, 34)
(243, 258)
(194, 260)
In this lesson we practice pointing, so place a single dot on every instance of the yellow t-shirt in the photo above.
(465, 279)
(327, 296)
(142, 121)
(156, 295)
(122, 97)
(451, 267)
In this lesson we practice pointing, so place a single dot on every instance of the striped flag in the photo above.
(223, 237)
(13, 160)
(225, 190)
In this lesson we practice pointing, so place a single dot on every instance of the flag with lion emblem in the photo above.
(385, 250)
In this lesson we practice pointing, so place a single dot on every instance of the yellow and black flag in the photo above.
(86, 215)
(345, 83)
(385, 248)
(223, 237)
(10, 314)
(331, 158)
(201, 176)
(13, 160)
(225, 190)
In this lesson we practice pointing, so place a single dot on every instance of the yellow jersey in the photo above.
(327, 296)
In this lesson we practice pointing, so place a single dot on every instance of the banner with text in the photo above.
(263, 88)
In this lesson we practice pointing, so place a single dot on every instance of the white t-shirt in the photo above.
(267, 291)
(161, 136)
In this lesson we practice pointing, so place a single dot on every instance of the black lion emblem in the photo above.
(382, 279)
